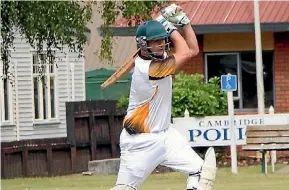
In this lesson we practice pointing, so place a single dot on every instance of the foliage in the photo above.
(45, 25)
(199, 98)
(48, 25)
(190, 92)
(109, 15)
(123, 102)
(139, 10)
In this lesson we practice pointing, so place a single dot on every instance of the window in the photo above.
(44, 86)
(243, 65)
(6, 96)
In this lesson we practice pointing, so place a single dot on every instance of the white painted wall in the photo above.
(70, 86)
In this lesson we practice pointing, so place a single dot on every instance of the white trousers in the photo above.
(142, 153)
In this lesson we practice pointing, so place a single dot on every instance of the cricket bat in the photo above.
(119, 73)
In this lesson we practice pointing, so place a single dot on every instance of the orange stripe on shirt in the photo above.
(138, 119)
(163, 67)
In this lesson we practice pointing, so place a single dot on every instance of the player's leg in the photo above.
(180, 156)
(140, 155)
(209, 169)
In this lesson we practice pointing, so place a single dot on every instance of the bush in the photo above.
(123, 102)
(190, 92)
(198, 97)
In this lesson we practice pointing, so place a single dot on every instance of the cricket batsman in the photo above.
(147, 139)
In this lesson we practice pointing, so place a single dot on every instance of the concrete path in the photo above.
(284, 170)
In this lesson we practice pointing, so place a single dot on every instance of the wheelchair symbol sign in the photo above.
(229, 82)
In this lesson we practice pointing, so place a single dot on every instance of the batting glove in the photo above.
(168, 25)
(175, 15)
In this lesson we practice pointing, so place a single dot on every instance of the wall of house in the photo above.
(236, 42)
(225, 42)
(9, 131)
(279, 42)
(281, 69)
(70, 86)
(196, 64)
(123, 47)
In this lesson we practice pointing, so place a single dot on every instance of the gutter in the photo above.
(212, 28)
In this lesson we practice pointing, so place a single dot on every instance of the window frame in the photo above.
(2, 98)
(239, 77)
(47, 76)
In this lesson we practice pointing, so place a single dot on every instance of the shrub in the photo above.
(123, 102)
(198, 97)
(190, 92)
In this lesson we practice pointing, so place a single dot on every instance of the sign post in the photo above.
(229, 84)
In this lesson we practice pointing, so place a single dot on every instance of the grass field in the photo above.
(248, 178)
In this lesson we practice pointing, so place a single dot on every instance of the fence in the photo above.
(95, 123)
(93, 128)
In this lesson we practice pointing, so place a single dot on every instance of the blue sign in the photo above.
(229, 82)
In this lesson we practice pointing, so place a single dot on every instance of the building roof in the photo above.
(235, 12)
(221, 17)
(225, 12)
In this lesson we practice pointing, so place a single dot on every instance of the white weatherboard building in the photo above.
(33, 108)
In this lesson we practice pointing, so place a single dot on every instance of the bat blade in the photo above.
(119, 73)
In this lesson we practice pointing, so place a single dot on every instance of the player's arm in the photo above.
(170, 65)
(191, 39)
(173, 63)
(183, 53)
(188, 33)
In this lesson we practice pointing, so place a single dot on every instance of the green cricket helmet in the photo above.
(151, 30)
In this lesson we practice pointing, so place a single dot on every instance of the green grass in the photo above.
(248, 178)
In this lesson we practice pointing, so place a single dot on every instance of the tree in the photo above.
(49, 24)
(54, 24)
(139, 10)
